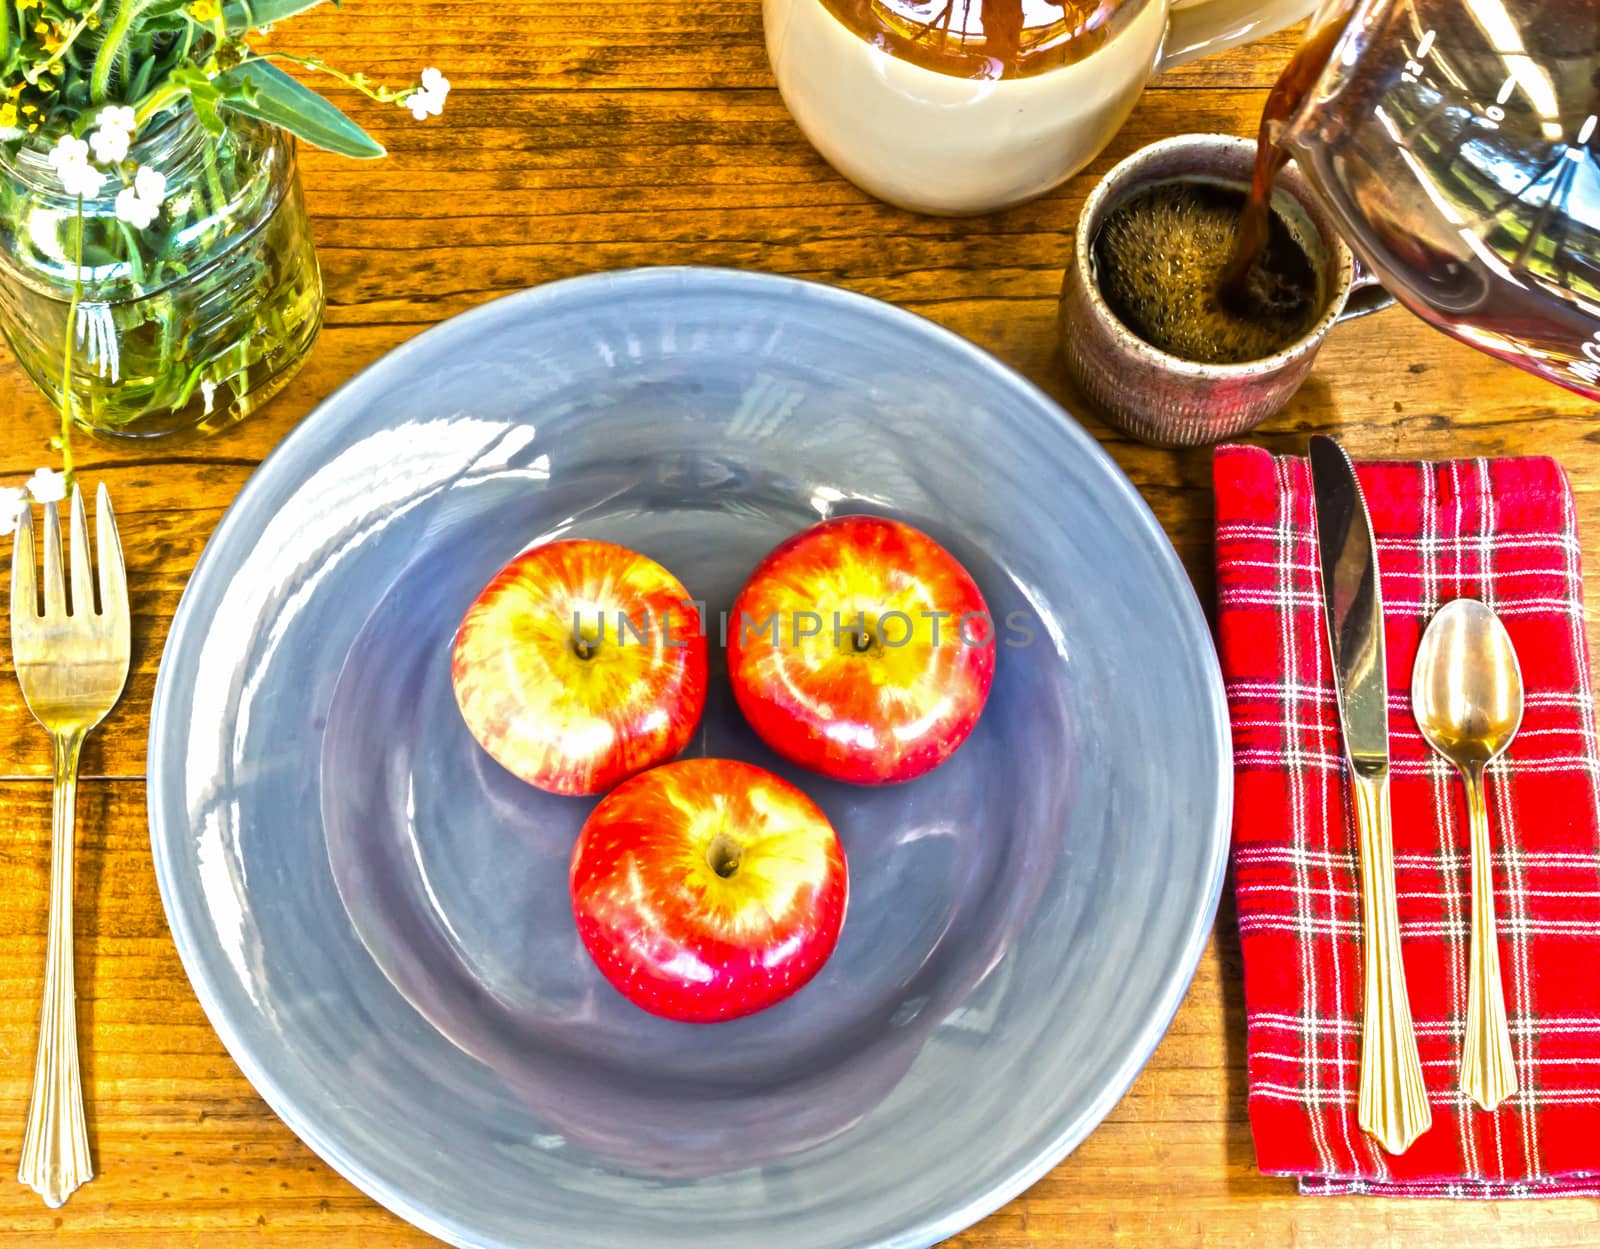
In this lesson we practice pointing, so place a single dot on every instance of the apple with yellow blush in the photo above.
(579, 665)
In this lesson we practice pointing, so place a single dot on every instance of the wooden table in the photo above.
(583, 137)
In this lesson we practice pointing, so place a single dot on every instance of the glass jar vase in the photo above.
(186, 325)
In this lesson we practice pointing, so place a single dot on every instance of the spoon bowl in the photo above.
(1466, 687)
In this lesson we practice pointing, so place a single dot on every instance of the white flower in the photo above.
(110, 146)
(70, 157)
(151, 184)
(12, 501)
(135, 211)
(47, 486)
(114, 127)
(82, 180)
(428, 100)
(117, 117)
(68, 151)
(140, 204)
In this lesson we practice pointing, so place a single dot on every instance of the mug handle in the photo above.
(1366, 294)
(1197, 28)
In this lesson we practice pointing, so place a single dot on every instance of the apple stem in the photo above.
(723, 855)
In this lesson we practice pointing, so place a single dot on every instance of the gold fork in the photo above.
(72, 665)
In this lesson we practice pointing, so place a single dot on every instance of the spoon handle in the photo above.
(1393, 1106)
(1488, 1070)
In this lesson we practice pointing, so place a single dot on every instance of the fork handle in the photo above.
(55, 1149)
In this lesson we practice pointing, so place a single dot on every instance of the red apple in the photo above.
(708, 889)
(579, 665)
(861, 649)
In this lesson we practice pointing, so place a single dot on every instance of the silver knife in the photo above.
(1393, 1105)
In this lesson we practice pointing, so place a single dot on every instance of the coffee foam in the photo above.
(1158, 254)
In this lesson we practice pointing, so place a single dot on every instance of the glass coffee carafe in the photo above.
(1454, 142)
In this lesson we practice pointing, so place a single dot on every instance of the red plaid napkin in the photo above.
(1503, 531)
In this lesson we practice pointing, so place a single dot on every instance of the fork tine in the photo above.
(24, 583)
(55, 583)
(82, 566)
(113, 576)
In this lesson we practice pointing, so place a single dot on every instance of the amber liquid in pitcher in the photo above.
(984, 38)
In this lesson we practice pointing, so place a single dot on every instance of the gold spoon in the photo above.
(1466, 692)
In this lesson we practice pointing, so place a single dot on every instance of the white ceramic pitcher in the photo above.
(976, 134)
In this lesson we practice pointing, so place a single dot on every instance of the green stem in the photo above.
(67, 351)
(135, 262)
(100, 80)
(219, 197)
(357, 82)
(186, 391)
(5, 29)
(166, 349)
(156, 101)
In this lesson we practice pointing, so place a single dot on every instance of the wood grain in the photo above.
(583, 137)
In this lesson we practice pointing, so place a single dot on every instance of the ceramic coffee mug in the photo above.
(1165, 399)
(970, 140)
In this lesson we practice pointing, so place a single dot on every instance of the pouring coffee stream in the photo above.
(1240, 287)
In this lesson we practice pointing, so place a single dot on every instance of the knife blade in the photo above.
(1354, 603)
(1392, 1106)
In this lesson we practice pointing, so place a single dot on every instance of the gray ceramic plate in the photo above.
(375, 916)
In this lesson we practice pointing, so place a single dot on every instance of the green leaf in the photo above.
(204, 95)
(260, 89)
(243, 15)
(161, 24)
(141, 79)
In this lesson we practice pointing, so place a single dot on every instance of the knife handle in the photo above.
(1393, 1108)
